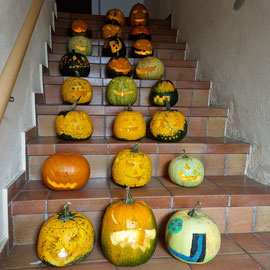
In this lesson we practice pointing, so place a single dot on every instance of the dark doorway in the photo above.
(75, 6)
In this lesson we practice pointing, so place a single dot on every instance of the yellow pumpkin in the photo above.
(65, 238)
(132, 168)
(111, 30)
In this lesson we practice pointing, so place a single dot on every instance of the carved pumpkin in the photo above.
(162, 90)
(74, 88)
(129, 232)
(80, 27)
(149, 68)
(168, 125)
(129, 125)
(122, 90)
(192, 237)
(65, 238)
(72, 62)
(110, 30)
(140, 32)
(186, 171)
(73, 125)
(115, 16)
(80, 44)
(114, 46)
(142, 48)
(65, 171)
(119, 66)
(138, 15)
(132, 168)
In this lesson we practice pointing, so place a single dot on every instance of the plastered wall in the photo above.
(20, 115)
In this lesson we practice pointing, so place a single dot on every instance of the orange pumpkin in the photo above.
(111, 30)
(138, 15)
(65, 171)
(80, 27)
(115, 16)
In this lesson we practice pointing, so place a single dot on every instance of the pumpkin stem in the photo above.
(129, 109)
(168, 106)
(66, 214)
(192, 213)
(135, 148)
(73, 107)
(128, 199)
(184, 155)
(77, 73)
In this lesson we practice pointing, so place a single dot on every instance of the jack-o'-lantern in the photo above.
(114, 46)
(142, 48)
(111, 30)
(192, 237)
(149, 68)
(65, 238)
(162, 90)
(80, 27)
(168, 125)
(132, 168)
(74, 88)
(72, 125)
(129, 232)
(119, 66)
(115, 16)
(138, 15)
(129, 125)
(122, 90)
(186, 171)
(72, 62)
(140, 32)
(65, 171)
(80, 44)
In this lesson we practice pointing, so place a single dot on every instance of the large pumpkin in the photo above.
(114, 46)
(72, 125)
(80, 44)
(80, 27)
(65, 171)
(192, 237)
(149, 68)
(140, 32)
(115, 16)
(111, 30)
(72, 62)
(168, 125)
(119, 66)
(129, 232)
(65, 238)
(186, 171)
(122, 90)
(164, 89)
(142, 48)
(129, 125)
(132, 168)
(138, 15)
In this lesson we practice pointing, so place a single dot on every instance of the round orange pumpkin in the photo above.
(138, 15)
(65, 171)
(111, 30)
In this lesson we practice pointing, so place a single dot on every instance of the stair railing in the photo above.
(12, 67)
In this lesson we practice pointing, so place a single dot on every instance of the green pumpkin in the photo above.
(122, 90)
(114, 46)
(186, 171)
(162, 90)
(80, 44)
(72, 62)
(192, 237)
(149, 68)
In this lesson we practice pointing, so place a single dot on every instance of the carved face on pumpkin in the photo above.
(114, 46)
(149, 68)
(138, 15)
(140, 32)
(80, 27)
(119, 66)
(142, 48)
(115, 16)
(80, 44)
(110, 30)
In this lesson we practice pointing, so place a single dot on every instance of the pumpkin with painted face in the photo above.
(122, 90)
(186, 171)
(138, 15)
(80, 27)
(115, 16)
(140, 32)
(111, 30)
(149, 68)
(65, 238)
(168, 125)
(132, 168)
(129, 232)
(65, 171)
(80, 44)
(164, 89)
(119, 66)
(192, 237)
(129, 125)
(114, 46)
(142, 48)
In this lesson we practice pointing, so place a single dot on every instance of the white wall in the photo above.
(20, 115)
(233, 52)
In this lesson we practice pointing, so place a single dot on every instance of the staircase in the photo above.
(239, 205)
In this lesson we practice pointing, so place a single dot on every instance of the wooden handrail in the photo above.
(12, 67)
